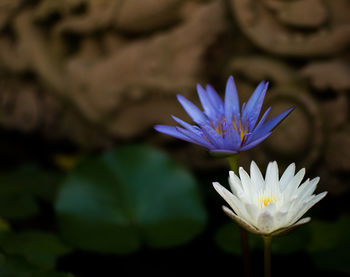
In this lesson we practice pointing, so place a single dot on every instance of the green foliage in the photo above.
(330, 244)
(326, 242)
(121, 199)
(20, 188)
(30, 254)
(39, 249)
(19, 267)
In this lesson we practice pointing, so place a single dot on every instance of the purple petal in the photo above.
(254, 104)
(171, 131)
(215, 100)
(207, 130)
(209, 110)
(262, 120)
(255, 142)
(269, 125)
(214, 137)
(232, 139)
(191, 128)
(231, 100)
(243, 108)
(195, 113)
(195, 138)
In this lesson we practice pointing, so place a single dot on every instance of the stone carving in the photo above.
(333, 74)
(103, 72)
(279, 26)
(102, 77)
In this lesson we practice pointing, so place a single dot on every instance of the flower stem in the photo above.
(233, 161)
(267, 256)
(245, 252)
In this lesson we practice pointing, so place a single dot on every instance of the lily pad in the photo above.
(330, 243)
(15, 266)
(20, 189)
(37, 248)
(119, 200)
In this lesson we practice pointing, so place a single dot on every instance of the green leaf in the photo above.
(326, 235)
(17, 206)
(119, 200)
(39, 249)
(20, 188)
(15, 266)
(330, 244)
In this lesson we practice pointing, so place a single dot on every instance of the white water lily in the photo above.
(269, 206)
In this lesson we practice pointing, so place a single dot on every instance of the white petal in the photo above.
(247, 185)
(287, 176)
(253, 212)
(308, 188)
(271, 179)
(265, 223)
(295, 196)
(231, 199)
(286, 207)
(240, 221)
(235, 183)
(304, 208)
(270, 208)
(302, 221)
(291, 227)
(280, 219)
(256, 177)
(293, 184)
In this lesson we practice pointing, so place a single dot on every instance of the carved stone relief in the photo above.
(104, 72)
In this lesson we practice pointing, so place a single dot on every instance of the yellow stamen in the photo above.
(265, 200)
(219, 130)
(240, 128)
(242, 135)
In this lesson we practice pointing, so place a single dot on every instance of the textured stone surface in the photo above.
(99, 73)
(300, 137)
(21, 112)
(269, 31)
(332, 74)
(147, 15)
(168, 62)
(306, 14)
(7, 11)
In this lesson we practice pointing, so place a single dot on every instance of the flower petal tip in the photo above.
(216, 185)
(263, 205)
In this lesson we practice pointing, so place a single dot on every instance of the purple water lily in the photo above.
(222, 127)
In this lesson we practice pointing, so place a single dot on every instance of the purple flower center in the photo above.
(241, 127)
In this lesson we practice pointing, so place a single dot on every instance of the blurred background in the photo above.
(89, 188)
